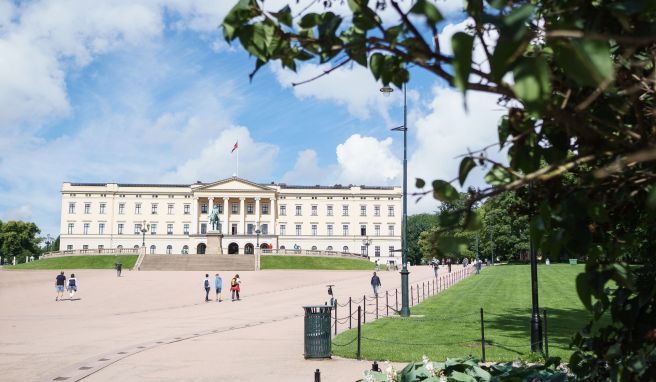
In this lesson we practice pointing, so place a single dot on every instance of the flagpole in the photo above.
(237, 158)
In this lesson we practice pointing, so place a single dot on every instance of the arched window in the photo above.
(152, 249)
(249, 249)
(136, 247)
(345, 249)
(314, 247)
(329, 248)
(282, 247)
(119, 248)
(185, 250)
(169, 249)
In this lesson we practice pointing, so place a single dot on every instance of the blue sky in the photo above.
(147, 91)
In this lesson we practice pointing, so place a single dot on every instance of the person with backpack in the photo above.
(60, 281)
(235, 287)
(206, 284)
(72, 285)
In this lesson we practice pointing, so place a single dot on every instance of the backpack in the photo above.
(207, 283)
(233, 282)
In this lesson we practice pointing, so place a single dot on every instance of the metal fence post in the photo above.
(417, 293)
(423, 290)
(376, 306)
(397, 299)
(335, 316)
(387, 303)
(357, 355)
(412, 296)
(482, 335)
(546, 336)
(350, 313)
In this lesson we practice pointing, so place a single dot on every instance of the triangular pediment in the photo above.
(232, 184)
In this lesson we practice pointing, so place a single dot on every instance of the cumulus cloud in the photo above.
(307, 171)
(367, 160)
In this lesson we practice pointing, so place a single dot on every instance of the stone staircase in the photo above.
(202, 263)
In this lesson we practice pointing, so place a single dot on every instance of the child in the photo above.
(234, 287)
(72, 285)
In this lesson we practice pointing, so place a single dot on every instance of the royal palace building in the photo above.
(173, 218)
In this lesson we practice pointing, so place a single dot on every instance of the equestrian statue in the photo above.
(214, 219)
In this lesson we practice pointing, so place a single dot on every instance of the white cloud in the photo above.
(307, 171)
(367, 160)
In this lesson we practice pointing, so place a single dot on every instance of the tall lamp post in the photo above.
(366, 242)
(405, 308)
(536, 323)
(144, 228)
(48, 242)
(257, 234)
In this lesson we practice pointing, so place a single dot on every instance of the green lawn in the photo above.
(307, 262)
(450, 326)
(79, 262)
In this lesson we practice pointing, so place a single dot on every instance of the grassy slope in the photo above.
(79, 262)
(451, 323)
(306, 262)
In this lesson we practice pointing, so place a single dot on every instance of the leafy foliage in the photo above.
(583, 104)
(18, 238)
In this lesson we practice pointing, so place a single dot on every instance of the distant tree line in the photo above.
(20, 239)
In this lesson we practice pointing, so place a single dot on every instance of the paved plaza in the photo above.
(155, 326)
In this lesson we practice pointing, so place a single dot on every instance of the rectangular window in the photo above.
(153, 229)
(153, 208)
(220, 208)
(345, 210)
(249, 208)
(329, 212)
(391, 250)
(69, 247)
(85, 247)
(377, 230)
(363, 230)
(235, 208)
(137, 209)
(86, 228)
(71, 208)
(390, 229)
(137, 229)
(170, 209)
(376, 210)
(187, 207)
(330, 229)
(100, 247)
(102, 207)
(377, 251)
(120, 228)
(87, 208)
(250, 229)
(70, 228)
(345, 229)
(283, 210)
(185, 229)
(283, 230)
(203, 228)
(121, 208)
(390, 210)
(298, 211)
(314, 210)
(314, 230)
(203, 208)
(265, 209)
(101, 228)
(298, 230)
(169, 229)
(234, 229)
(363, 210)
(265, 229)
(363, 250)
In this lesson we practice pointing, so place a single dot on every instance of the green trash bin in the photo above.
(317, 331)
(573, 261)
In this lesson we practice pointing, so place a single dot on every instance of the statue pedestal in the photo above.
(214, 243)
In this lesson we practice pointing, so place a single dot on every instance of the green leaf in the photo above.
(310, 20)
(498, 176)
(462, 58)
(461, 377)
(533, 83)
(584, 290)
(284, 15)
(466, 165)
(504, 130)
(588, 62)
(514, 37)
(420, 183)
(444, 191)
(425, 8)
(376, 64)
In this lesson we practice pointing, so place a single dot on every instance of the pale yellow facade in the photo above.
(326, 218)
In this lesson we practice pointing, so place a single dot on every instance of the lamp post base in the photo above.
(405, 308)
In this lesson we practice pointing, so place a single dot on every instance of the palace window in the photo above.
(70, 228)
(137, 229)
(152, 249)
(345, 210)
(390, 210)
(153, 229)
(314, 210)
(71, 208)
(363, 250)
(390, 229)
(170, 209)
(69, 247)
(265, 229)
(86, 228)
(203, 228)
(153, 208)
(102, 208)
(85, 247)
(377, 251)
(120, 228)
(101, 228)
(391, 250)
(363, 210)
(187, 207)
(185, 250)
(377, 230)
(329, 212)
(220, 208)
(376, 210)
(330, 229)
(283, 210)
(345, 229)
(345, 249)
(203, 208)
(283, 230)
(185, 229)
(137, 209)
(250, 228)
(314, 230)
(235, 208)
(169, 249)
(87, 208)
(265, 209)
(169, 229)
(298, 230)
(298, 211)
(363, 230)
(121, 208)
(249, 208)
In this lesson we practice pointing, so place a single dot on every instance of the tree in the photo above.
(582, 102)
(55, 246)
(505, 230)
(18, 238)
(416, 225)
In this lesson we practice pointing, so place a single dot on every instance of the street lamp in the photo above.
(48, 241)
(405, 308)
(366, 242)
(144, 228)
(257, 240)
(536, 323)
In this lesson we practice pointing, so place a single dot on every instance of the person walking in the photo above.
(60, 281)
(448, 264)
(435, 268)
(375, 284)
(217, 286)
(206, 284)
(72, 285)
(478, 266)
(235, 287)
(119, 268)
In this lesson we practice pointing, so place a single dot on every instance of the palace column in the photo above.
(242, 217)
(226, 223)
(194, 216)
(272, 215)
(257, 213)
